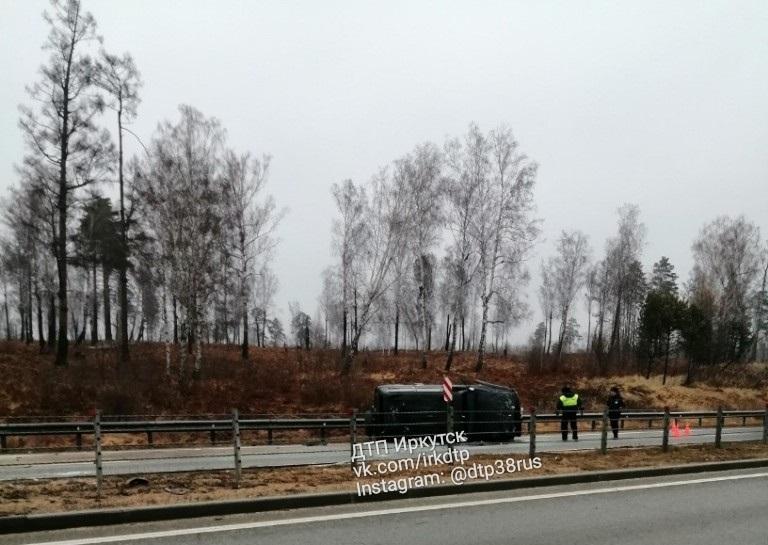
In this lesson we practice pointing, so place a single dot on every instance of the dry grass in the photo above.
(44, 496)
(640, 392)
(290, 381)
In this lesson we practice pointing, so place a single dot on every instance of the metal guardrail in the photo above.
(151, 427)
(323, 424)
(479, 426)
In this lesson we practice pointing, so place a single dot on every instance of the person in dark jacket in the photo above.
(615, 404)
(568, 406)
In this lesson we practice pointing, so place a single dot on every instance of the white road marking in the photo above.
(386, 512)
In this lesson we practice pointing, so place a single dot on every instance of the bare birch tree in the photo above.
(251, 222)
(467, 166)
(183, 194)
(622, 259)
(417, 182)
(570, 267)
(368, 250)
(547, 302)
(503, 229)
(349, 233)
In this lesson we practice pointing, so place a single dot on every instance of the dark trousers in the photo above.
(614, 417)
(569, 418)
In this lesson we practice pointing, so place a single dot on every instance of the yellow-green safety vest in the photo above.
(569, 401)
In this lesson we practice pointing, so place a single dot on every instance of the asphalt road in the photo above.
(701, 509)
(160, 460)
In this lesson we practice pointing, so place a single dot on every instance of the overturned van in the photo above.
(483, 411)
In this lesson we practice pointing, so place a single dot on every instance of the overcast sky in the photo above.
(663, 104)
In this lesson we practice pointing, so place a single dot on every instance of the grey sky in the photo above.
(664, 104)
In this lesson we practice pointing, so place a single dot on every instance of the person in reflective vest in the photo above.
(568, 406)
(615, 404)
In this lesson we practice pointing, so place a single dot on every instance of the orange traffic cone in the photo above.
(687, 429)
(674, 429)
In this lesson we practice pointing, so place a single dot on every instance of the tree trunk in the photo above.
(616, 325)
(7, 317)
(133, 328)
(397, 328)
(23, 321)
(51, 319)
(122, 288)
(549, 330)
(244, 347)
(449, 359)
(447, 332)
(481, 345)
(350, 355)
(689, 373)
(183, 351)
(166, 334)
(423, 314)
(264, 329)
(600, 348)
(30, 320)
(95, 307)
(175, 321)
(666, 359)
(355, 334)
(105, 271)
(41, 336)
(589, 324)
(62, 342)
(225, 317)
(561, 337)
(198, 350)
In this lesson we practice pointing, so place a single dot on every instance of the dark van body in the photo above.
(483, 411)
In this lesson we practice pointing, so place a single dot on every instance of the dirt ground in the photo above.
(57, 495)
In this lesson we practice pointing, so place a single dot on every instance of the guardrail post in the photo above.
(236, 445)
(352, 437)
(150, 438)
(213, 434)
(765, 425)
(322, 434)
(700, 422)
(449, 416)
(665, 435)
(269, 436)
(719, 428)
(594, 424)
(79, 439)
(604, 434)
(97, 446)
(532, 433)
(3, 443)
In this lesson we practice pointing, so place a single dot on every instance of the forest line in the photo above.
(438, 244)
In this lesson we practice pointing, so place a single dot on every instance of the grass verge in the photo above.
(59, 495)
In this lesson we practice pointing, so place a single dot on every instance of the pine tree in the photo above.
(664, 277)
